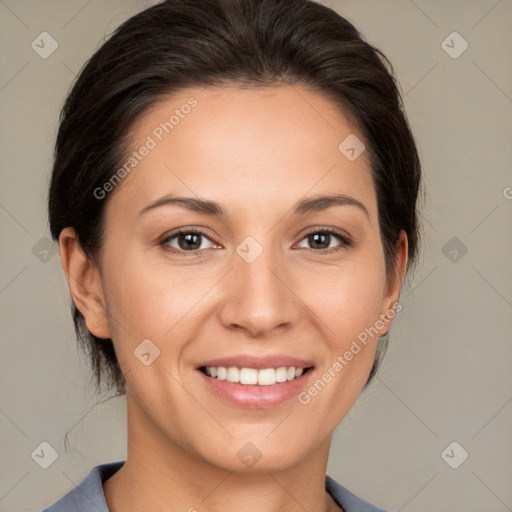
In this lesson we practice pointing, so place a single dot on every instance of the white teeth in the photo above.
(267, 377)
(248, 376)
(233, 374)
(252, 376)
(281, 374)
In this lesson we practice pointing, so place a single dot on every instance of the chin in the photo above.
(258, 455)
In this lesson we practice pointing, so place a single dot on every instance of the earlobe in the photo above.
(84, 283)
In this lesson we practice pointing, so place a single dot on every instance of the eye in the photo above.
(190, 240)
(321, 240)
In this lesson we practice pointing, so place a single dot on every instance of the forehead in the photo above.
(236, 145)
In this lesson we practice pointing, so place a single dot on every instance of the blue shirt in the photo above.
(88, 495)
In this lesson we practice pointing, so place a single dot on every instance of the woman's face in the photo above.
(279, 279)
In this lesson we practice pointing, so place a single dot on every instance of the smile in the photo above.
(253, 376)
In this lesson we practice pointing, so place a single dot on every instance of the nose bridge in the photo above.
(257, 297)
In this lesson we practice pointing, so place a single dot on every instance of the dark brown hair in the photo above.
(255, 43)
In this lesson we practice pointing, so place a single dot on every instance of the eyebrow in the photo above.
(313, 204)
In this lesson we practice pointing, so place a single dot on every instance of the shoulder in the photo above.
(348, 500)
(88, 495)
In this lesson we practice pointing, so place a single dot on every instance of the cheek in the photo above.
(348, 309)
(348, 298)
(147, 301)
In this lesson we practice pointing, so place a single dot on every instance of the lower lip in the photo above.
(243, 395)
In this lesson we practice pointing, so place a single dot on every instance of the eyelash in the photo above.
(345, 241)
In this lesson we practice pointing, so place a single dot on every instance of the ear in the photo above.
(85, 283)
(395, 280)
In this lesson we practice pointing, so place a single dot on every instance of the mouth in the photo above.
(254, 376)
(252, 381)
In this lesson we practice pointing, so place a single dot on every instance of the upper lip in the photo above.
(258, 362)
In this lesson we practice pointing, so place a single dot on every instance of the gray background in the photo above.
(447, 373)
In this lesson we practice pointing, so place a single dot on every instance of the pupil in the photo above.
(320, 236)
(190, 241)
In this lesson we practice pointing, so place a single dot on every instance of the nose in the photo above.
(259, 297)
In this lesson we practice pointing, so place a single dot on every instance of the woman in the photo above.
(234, 195)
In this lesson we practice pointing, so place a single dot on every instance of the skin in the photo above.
(258, 152)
